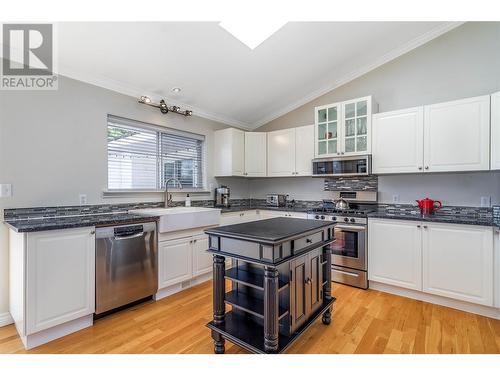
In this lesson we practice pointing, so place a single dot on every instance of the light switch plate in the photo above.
(5, 190)
(83, 199)
(485, 201)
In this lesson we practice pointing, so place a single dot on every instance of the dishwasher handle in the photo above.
(119, 238)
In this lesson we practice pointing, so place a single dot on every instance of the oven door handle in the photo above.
(350, 227)
(346, 273)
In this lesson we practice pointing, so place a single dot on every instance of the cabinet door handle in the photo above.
(92, 232)
(425, 226)
(419, 168)
(308, 240)
(418, 226)
(426, 167)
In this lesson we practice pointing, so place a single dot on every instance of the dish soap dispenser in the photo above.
(188, 201)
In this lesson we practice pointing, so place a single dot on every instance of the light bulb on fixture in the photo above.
(176, 89)
(145, 99)
(163, 106)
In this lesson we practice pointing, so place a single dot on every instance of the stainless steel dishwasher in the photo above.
(126, 265)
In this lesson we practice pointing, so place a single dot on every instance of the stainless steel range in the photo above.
(350, 250)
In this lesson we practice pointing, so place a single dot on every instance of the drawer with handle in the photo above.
(304, 242)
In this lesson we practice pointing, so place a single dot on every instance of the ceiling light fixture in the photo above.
(252, 35)
(176, 89)
(164, 108)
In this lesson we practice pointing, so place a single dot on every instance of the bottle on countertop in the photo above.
(188, 201)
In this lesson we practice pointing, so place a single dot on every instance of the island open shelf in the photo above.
(280, 282)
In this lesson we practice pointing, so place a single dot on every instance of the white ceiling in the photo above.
(221, 78)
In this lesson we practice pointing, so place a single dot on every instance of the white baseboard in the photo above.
(50, 334)
(490, 312)
(5, 319)
(176, 288)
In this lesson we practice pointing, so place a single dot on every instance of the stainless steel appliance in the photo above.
(222, 195)
(126, 265)
(350, 250)
(344, 166)
(276, 200)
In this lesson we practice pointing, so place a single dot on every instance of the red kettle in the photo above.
(428, 206)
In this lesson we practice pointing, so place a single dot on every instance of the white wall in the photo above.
(53, 148)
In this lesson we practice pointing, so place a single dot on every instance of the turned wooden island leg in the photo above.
(327, 291)
(219, 290)
(271, 308)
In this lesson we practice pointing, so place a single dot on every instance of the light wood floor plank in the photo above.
(364, 321)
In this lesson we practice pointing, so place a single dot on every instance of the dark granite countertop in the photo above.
(270, 208)
(64, 222)
(437, 218)
(269, 230)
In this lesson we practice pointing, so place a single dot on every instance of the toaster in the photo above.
(276, 200)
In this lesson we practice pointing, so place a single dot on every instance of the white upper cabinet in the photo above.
(457, 135)
(458, 262)
(398, 141)
(229, 152)
(290, 152)
(395, 253)
(255, 154)
(60, 277)
(281, 153)
(304, 150)
(495, 131)
(344, 128)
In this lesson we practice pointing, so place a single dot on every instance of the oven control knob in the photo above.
(316, 217)
(322, 217)
(346, 219)
(352, 220)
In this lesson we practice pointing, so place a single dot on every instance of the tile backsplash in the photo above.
(359, 183)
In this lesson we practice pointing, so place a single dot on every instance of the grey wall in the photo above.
(53, 147)
(462, 63)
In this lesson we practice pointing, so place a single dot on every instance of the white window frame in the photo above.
(171, 188)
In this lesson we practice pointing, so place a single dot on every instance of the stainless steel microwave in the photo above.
(344, 166)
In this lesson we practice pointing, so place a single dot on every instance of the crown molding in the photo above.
(136, 92)
(393, 54)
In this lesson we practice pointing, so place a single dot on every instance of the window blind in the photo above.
(143, 157)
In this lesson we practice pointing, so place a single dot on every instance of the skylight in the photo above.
(252, 33)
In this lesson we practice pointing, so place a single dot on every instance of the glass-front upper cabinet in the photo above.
(327, 130)
(344, 128)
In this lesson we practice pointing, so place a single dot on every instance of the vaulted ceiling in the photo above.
(220, 77)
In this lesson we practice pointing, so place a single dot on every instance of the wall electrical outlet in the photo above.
(395, 198)
(485, 201)
(5, 190)
(83, 199)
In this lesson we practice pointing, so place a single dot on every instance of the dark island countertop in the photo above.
(65, 222)
(269, 230)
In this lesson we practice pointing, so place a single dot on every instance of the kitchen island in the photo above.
(280, 282)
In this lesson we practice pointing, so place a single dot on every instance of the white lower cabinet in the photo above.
(52, 283)
(395, 253)
(449, 260)
(202, 259)
(60, 277)
(238, 217)
(458, 262)
(174, 261)
(269, 214)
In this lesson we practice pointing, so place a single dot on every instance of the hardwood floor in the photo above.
(363, 322)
